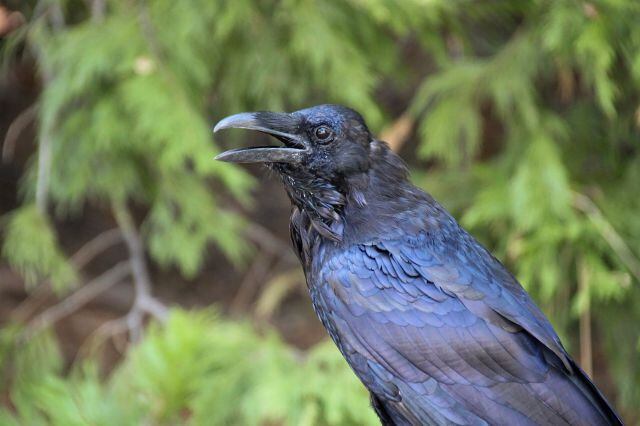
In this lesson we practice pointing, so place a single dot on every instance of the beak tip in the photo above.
(241, 120)
(218, 126)
(220, 157)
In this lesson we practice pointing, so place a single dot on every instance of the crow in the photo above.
(434, 326)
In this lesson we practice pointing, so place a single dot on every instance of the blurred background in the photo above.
(141, 282)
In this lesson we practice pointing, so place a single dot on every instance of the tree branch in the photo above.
(79, 260)
(98, 10)
(144, 300)
(16, 128)
(80, 297)
(586, 342)
(44, 171)
(264, 238)
(95, 246)
(105, 331)
(608, 233)
(55, 16)
(256, 273)
(52, 10)
(398, 132)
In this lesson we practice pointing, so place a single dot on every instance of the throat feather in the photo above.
(321, 201)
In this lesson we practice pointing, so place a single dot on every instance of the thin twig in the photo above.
(45, 152)
(148, 31)
(44, 171)
(586, 347)
(97, 245)
(144, 300)
(134, 320)
(81, 297)
(608, 233)
(398, 132)
(105, 331)
(15, 130)
(275, 292)
(79, 260)
(272, 247)
(98, 10)
(30, 304)
(268, 241)
(154, 307)
(247, 288)
(55, 16)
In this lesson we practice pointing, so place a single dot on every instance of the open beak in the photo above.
(282, 126)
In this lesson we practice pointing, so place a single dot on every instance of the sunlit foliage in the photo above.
(197, 370)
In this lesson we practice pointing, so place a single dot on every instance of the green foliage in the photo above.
(31, 248)
(195, 370)
(26, 366)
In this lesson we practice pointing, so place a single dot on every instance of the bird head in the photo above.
(330, 165)
(327, 141)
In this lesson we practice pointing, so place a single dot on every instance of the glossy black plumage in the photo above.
(434, 326)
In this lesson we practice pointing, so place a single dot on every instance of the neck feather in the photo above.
(328, 203)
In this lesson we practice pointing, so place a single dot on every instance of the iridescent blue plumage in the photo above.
(433, 325)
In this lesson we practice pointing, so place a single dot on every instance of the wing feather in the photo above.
(449, 338)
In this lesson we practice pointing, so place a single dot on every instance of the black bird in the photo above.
(433, 325)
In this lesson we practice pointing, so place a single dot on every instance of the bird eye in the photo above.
(323, 134)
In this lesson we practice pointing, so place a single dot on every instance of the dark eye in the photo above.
(323, 133)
